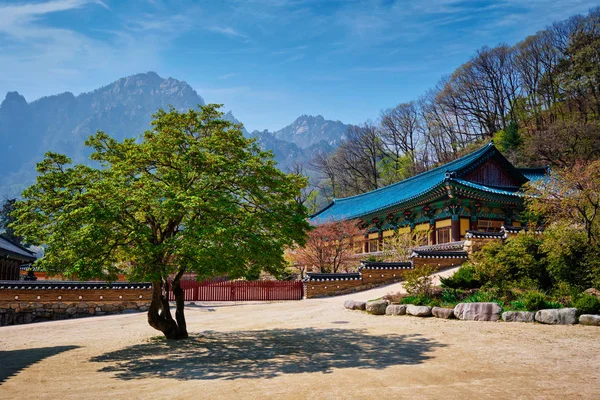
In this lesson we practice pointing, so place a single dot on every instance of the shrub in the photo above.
(517, 305)
(463, 278)
(534, 301)
(571, 260)
(449, 298)
(418, 281)
(587, 304)
(484, 296)
(418, 300)
(518, 262)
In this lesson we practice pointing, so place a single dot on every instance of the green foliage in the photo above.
(463, 278)
(534, 300)
(485, 297)
(373, 259)
(587, 304)
(417, 300)
(570, 257)
(6, 218)
(508, 139)
(418, 281)
(515, 263)
(192, 195)
(516, 305)
(395, 169)
(449, 298)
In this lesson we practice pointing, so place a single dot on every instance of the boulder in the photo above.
(518, 316)
(418, 311)
(593, 292)
(440, 312)
(355, 305)
(395, 309)
(589, 319)
(557, 316)
(478, 311)
(376, 307)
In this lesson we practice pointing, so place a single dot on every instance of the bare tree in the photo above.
(357, 160)
(400, 129)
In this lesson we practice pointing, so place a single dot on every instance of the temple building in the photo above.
(478, 192)
(12, 257)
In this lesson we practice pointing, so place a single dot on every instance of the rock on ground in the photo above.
(478, 311)
(377, 307)
(518, 316)
(440, 312)
(418, 311)
(592, 292)
(355, 305)
(395, 309)
(557, 316)
(589, 319)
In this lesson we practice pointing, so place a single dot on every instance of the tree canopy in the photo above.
(191, 195)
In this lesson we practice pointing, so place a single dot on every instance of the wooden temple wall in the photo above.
(9, 269)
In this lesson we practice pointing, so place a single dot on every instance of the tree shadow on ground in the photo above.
(265, 354)
(13, 361)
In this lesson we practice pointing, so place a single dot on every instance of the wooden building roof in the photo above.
(468, 175)
(12, 250)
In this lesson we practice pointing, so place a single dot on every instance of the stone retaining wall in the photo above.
(22, 303)
(370, 277)
(441, 263)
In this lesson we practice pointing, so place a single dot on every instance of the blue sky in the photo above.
(267, 60)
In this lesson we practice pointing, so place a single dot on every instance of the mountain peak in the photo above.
(305, 117)
(14, 98)
(308, 130)
(148, 76)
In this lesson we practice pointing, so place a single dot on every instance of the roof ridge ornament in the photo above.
(450, 174)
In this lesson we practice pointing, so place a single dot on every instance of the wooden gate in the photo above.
(240, 290)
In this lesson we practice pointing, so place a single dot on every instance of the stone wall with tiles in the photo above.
(441, 263)
(370, 278)
(23, 303)
(314, 289)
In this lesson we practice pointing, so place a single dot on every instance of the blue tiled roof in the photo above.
(488, 189)
(534, 174)
(10, 248)
(401, 192)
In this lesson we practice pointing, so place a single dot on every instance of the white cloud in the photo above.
(226, 30)
(227, 76)
(37, 58)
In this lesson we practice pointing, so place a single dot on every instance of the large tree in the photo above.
(6, 219)
(191, 195)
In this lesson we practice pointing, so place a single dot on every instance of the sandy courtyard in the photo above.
(311, 349)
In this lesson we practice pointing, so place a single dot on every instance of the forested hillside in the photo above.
(539, 100)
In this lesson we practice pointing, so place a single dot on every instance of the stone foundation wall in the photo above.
(314, 289)
(25, 305)
(370, 278)
(381, 276)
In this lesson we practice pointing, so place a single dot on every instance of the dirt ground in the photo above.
(310, 349)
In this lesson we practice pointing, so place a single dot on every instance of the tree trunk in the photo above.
(159, 314)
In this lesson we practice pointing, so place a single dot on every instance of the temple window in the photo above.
(443, 235)
(373, 245)
(487, 225)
